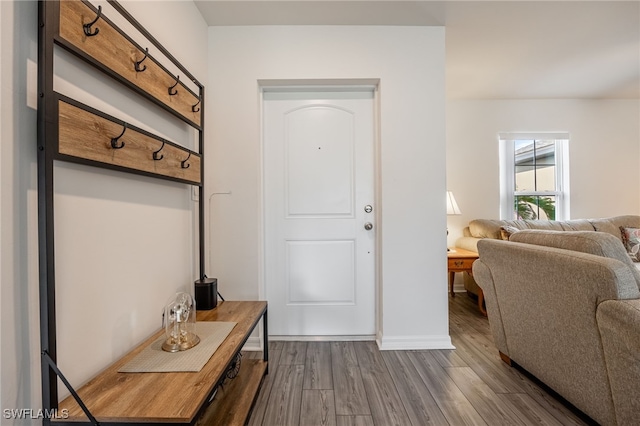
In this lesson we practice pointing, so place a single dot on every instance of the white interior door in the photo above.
(319, 195)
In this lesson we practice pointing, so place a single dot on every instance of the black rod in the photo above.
(75, 395)
(201, 191)
(265, 343)
(47, 27)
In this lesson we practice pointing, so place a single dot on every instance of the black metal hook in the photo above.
(174, 92)
(114, 141)
(138, 63)
(87, 27)
(183, 162)
(193, 107)
(155, 153)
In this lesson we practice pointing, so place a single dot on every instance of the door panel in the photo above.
(329, 282)
(319, 161)
(318, 178)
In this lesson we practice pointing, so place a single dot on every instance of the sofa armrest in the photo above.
(482, 274)
(619, 324)
(546, 300)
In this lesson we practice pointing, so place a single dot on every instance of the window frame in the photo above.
(508, 193)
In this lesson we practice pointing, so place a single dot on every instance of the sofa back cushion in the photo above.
(488, 228)
(612, 225)
(597, 243)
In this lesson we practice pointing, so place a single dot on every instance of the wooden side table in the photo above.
(461, 260)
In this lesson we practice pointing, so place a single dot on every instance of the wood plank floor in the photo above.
(354, 384)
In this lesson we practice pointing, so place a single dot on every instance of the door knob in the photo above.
(368, 226)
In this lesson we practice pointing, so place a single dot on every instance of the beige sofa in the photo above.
(565, 306)
(484, 228)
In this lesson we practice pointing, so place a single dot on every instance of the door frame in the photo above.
(304, 85)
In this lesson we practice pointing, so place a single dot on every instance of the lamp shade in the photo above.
(452, 206)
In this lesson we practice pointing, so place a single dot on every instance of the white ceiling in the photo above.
(494, 49)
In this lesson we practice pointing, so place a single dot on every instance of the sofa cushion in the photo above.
(597, 243)
(612, 225)
(488, 228)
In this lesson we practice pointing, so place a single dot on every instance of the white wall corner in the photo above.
(405, 343)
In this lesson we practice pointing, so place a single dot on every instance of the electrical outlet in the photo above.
(195, 193)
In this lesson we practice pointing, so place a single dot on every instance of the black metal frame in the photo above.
(47, 151)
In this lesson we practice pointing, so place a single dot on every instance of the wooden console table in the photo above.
(180, 398)
(461, 260)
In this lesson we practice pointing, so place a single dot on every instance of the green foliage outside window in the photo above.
(528, 207)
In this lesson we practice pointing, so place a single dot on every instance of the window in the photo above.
(534, 176)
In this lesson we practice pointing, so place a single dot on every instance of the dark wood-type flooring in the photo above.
(353, 383)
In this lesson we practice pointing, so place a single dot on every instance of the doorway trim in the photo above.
(319, 85)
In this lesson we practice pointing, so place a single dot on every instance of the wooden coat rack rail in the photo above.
(86, 135)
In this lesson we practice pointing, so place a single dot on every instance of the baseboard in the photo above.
(254, 343)
(396, 343)
(404, 343)
(349, 338)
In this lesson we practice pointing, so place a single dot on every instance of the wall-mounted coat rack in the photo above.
(71, 131)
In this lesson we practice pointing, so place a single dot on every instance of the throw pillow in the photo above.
(631, 242)
(507, 231)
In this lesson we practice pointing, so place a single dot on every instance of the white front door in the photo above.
(319, 195)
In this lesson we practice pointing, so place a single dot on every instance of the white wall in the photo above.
(2, 136)
(124, 243)
(409, 61)
(604, 153)
(19, 335)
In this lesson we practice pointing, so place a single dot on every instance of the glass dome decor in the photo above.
(180, 323)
